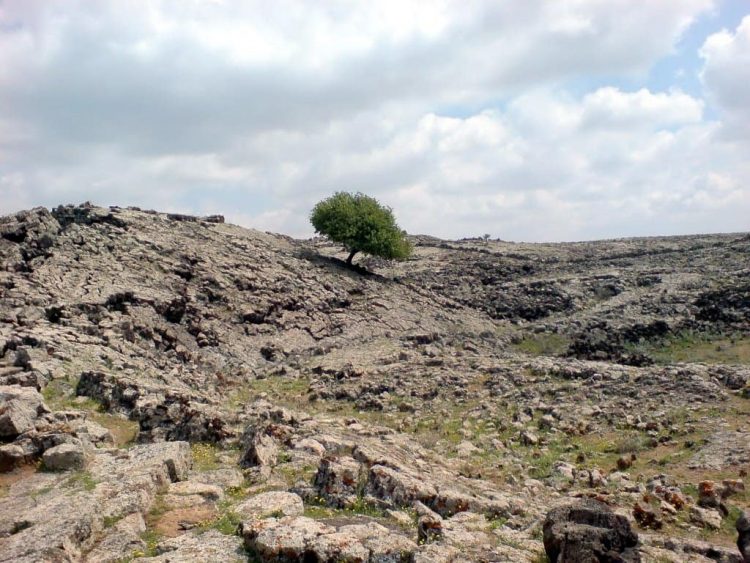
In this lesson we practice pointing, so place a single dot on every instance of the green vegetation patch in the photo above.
(700, 348)
(543, 345)
(81, 480)
(283, 389)
(109, 521)
(60, 395)
(123, 431)
(151, 538)
(317, 509)
(226, 522)
(205, 456)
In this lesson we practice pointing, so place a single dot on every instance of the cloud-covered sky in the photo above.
(534, 120)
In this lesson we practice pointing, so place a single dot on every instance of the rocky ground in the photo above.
(175, 388)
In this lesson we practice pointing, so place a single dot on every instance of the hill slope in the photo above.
(470, 388)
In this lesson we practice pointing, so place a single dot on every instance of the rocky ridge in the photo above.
(175, 388)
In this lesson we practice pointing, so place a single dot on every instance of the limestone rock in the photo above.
(64, 457)
(337, 479)
(279, 539)
(19, 409)
(705, 517)
(300, 538)
(11, 456)
(587, 530)
(179, 328)
(646, 516)
(184, 494)
(68, 513)
(208, 546)
(273, 503)
(743, 535)
(122, 538)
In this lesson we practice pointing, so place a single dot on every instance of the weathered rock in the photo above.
(646, 516)
(743, 535)
(731, 487)
(564, 470)
(273, 503)
(681, 549)
(11, 456)
(709, 495)
(723, 449)
(285, 539)
(434, 553)
(588, 530)
(705, 517)
(64, 457)
(180, 325)
(381, 544)
(596, 479)
(310, 446)
(191, 548)
(184, 494)
(67, 515)
(466, 449)
(92, 433)
(528, 438)
(19, 409)
(34, 231)
(429, 524)
(261, 450)
(302, 539)
(337, 479)
(124, 537)
(398, 487)
(163, 414)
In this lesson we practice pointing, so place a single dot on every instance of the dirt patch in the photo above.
(18, 474)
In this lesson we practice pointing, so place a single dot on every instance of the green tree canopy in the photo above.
(361, 224)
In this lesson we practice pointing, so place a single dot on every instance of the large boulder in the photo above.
(34, 231)
(337, 480)
(19, 409)
(64, 457)
(743, 535)
(588, 530)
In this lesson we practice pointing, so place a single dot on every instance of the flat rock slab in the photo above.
(724, 449)
(209, 546)
(185, 494)
(273, 503)
(61, 516)
(301, 539)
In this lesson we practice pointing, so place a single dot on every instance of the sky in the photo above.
(528, 120)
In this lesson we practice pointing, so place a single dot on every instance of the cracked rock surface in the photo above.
(176, 388)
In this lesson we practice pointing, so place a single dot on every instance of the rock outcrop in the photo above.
(589, 531)
(177, 388)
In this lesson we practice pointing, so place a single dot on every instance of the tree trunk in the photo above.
(351, 255)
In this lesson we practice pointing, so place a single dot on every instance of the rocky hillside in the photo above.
(175, 388)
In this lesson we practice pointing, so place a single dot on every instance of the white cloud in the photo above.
(610, 108)
(726, 75)
(455, 114)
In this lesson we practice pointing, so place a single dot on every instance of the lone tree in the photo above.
(361, 224)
